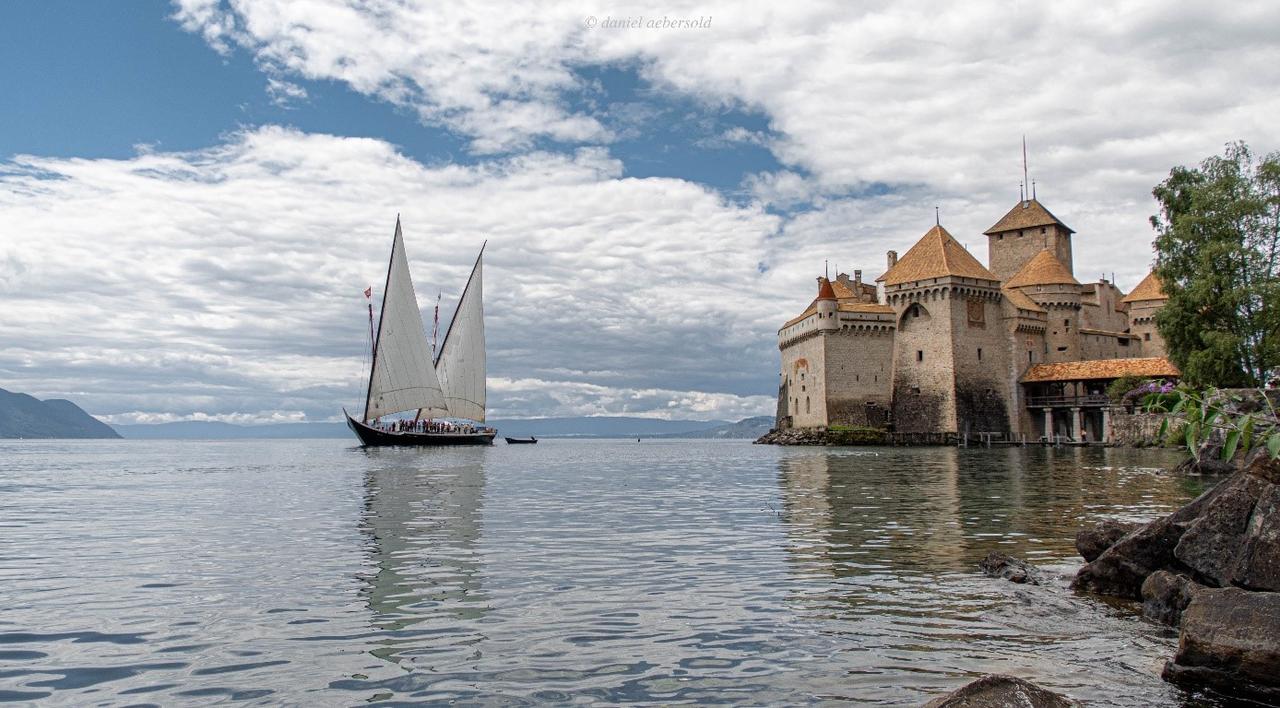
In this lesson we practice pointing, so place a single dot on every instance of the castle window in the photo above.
(1030, 358)
(1123, 342)
(1062, 349)
(916, 390)
(806, 404)
(979, 353)
(1146, 336)
(1041, 229)
(919, 355)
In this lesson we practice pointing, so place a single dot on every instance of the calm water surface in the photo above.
(594, 572)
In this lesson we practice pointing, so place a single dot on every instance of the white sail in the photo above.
(461, 364)
(403, 378)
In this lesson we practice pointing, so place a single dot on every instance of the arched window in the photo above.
(806, 404)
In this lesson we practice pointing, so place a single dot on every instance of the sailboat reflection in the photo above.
(422, 516)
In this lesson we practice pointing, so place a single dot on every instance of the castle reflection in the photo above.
(854, 512)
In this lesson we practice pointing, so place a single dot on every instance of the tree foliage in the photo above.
(1195, 418)
(1218, 259)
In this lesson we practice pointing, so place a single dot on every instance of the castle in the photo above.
(943, 344)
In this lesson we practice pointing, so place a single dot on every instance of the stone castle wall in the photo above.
(924, 382)
(980, 358)
(1009, 251)
(860, 385)
(805, 371)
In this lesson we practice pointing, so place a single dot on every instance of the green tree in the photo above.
(1218, 259)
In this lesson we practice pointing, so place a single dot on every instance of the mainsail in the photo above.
(402, 378)
(461, 364)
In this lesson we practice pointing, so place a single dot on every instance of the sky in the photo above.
(194, 195)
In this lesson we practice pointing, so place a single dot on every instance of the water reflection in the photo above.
(422, 516)
(884, 546)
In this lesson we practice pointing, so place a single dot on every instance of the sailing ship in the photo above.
(405, 376)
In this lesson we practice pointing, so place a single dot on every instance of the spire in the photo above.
(825, 291)
(1025, 178)
(937, 220)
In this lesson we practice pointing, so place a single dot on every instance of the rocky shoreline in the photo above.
(1210, 569)
(823, 436)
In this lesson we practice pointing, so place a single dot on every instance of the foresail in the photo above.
(461, 364)
(403, 377)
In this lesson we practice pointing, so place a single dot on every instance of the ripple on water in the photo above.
(313, 572)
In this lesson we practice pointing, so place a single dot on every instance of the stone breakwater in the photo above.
(823, 436)
(1212, 569)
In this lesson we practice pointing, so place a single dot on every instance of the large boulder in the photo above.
(1121, 569)
(1092, 541)
(1212, 540)
(1230, 643)
(1257, 564)
(1205, 539)
(998, 565)
(1165, 595)
(1000, 691)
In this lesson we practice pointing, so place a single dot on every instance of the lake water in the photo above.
(571, 572)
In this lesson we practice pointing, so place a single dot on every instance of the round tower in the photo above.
(826, 305)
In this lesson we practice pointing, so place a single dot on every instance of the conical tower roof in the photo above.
(1148, 289)
(937, 254)
(1026, 214)
(1043, 269)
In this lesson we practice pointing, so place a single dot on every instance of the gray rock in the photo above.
(1122, 568)
(1092, 541)
(1259, 464)
(1165, 595)
(1212, 541)
(1257, 565)
(998, 565)
(1000, 691)
(1230, 643)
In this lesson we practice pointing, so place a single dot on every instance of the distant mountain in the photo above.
(580, 427)
(23, 416)
(747, 428)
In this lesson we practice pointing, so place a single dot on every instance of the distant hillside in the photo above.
(23, 416)
(581, 427)
(747, 428)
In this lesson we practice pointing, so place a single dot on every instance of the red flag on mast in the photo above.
(368, 292)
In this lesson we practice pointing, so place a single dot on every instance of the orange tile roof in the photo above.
(1148, 289)
(937, 254)
(1021, 301)
(1043, 269)
(812, 308)
(1155, 367)
(824, 290)
(845, 291)
(870, 307)
(1026, 215)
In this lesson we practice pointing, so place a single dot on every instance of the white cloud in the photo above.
(227, 282)
(928, 96)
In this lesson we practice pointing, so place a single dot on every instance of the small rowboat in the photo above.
(522, 441)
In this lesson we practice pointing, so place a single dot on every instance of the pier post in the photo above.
(1048, 425)
(1075, 424)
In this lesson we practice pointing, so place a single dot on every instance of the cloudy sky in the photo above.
(193, 196)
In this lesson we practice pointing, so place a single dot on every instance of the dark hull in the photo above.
(521, 441)
(372, 437)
